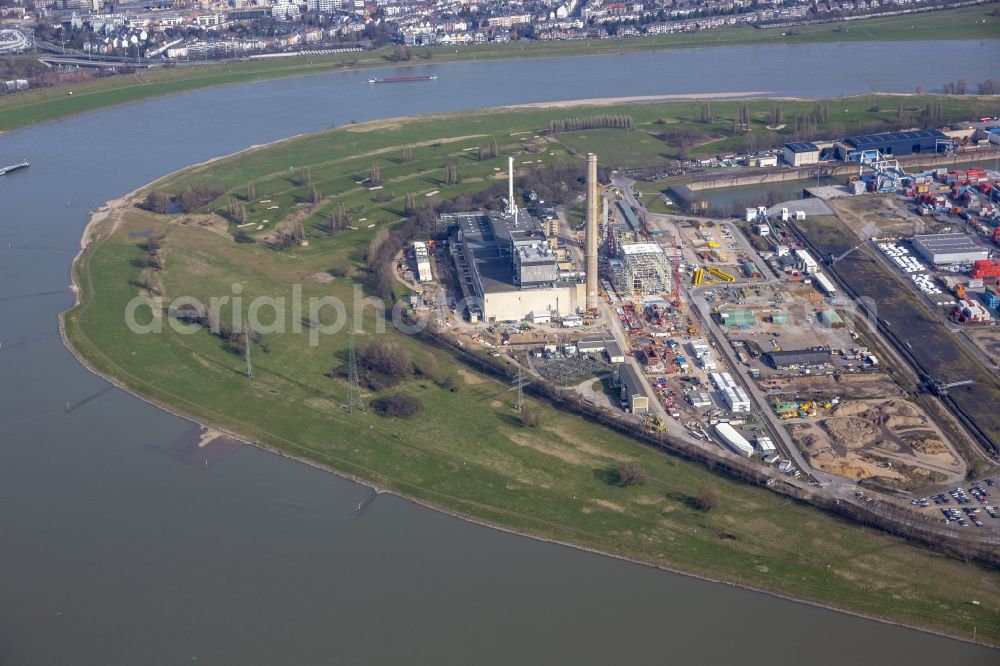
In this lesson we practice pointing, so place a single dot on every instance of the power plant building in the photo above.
(509, 269)
(945, 249)
(641, 267)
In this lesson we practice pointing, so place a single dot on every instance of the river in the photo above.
(119, 546)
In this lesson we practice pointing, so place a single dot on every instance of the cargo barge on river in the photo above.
(402, 79)
(14, 167)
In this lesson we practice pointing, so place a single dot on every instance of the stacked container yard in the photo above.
(985, 268)
(992, 296)
(967, 311)
(732, 393)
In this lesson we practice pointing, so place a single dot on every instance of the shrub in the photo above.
(399, 405)
(386, 358)
(707, 498)
(631, 474)
(158, 202)
(530, 417)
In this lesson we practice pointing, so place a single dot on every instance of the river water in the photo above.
(117, 544)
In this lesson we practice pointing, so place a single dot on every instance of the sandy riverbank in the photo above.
(636, 99)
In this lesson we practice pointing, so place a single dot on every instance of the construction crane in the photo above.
(832, 260)
(941, 389)
(678, 301)
(878, 170)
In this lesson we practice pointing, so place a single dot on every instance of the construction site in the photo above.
(737, 334)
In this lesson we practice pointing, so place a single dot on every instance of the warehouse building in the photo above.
(614, 352)
(805, 263)
(830, 319)
(892, 144)
(801, 153)
(780, 360)
(824, 283)
(591, 345)
(507, 267)
(737, 318)
(633, 394)
(945, 249)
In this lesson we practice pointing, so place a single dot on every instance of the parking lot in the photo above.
(965, 507)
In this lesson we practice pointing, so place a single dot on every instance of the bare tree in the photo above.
(375, 175)
(707, 498)
(706, 113)
(305, 176)
(315, 196)
(251, 191)
(531, 417)
(158, 202)
(630, 474)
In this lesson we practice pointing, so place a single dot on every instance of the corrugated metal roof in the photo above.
(631, 379)
(802, 147)
(830, 317)
(865, 140)
(941, 243)
(798, 357)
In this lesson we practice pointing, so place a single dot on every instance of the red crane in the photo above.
(678, 303)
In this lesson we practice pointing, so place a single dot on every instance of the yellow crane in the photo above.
(722, 275)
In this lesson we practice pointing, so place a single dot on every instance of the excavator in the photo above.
(655, 423)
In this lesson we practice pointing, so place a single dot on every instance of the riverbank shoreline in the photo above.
(892, 29)
(105, 215)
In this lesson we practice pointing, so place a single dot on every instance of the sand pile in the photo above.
(850, 432)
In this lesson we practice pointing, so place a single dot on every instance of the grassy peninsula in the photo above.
(468, 451)
(41, 106)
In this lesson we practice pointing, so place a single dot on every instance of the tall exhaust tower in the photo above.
(511, 204)
(590, 250)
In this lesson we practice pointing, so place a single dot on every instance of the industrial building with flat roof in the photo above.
(892, 144)
(800, 153)
(779, 360)
(591, 345)
(507, 265)
(944, 249)
(633, 393)
(614, 352)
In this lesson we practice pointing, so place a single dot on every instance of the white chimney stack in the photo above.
(511, 208)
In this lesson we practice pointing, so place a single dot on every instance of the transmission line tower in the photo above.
(246, 349)
(353, 383)
(520, 388)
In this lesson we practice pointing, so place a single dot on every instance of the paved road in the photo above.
(831, 485)
(568, 238)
